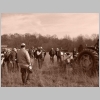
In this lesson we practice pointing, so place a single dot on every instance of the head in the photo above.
(5, 49)
(41, 48)
(23, 45)
(35, 48)
(57, 49)
(14, 49)
(52, 49)
(8, 51)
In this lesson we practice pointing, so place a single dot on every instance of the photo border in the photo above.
(50, 6)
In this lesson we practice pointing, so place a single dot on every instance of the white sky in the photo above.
(61, 24)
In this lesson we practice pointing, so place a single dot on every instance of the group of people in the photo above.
(20, 60)
(9, 59)
(58, 53)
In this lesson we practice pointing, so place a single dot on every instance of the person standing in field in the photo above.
(80, 48)
(13, 58)
(39, 57)
(31, 53)
(58, 54)
(6, 62)
(43, 53)
(24, 62)
(52, 54)
(35, 51)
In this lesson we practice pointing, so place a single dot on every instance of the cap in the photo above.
(23, 44)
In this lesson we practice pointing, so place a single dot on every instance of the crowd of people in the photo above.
(20, 59)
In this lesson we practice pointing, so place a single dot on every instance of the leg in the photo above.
(28, 75)
(50, 59)
(23, 71)
(53, 59)
(13, 69)
(18, 67)
(38, 63)
(57, 59)
(8, 67)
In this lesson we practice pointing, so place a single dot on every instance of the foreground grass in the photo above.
(50, 76)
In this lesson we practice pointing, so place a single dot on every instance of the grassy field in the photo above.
(51, 75)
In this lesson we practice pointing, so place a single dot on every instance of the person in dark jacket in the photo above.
(6, 62)
(58, 54)
(52, 54)
(80, 48)
(39, 57)
(35, 51)
(13, 58)
(74, 53)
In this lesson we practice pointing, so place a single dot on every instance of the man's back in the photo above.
(23, 56)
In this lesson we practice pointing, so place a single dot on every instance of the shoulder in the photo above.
(25, 51)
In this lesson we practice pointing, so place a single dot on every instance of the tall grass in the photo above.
(51, 75)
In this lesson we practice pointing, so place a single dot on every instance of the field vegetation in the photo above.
(51, 75)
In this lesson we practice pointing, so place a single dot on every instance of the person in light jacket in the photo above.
(24, 62)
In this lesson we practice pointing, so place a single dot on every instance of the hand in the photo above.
(10, 61)
(30, 64)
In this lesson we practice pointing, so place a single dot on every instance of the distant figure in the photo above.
(62, 54)
(39, 57)
(80, 48)
(13, 58)
(58, 54)
(52, 54)
(43, 53)
(74, 53)
(35, 53)
(6, 62)
(68, 58)
(24, 62)
(31, 53)
(97, 45)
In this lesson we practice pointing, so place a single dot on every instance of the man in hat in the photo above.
(24, 62)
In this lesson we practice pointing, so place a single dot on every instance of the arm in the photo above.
(27, 57)
(49, 52)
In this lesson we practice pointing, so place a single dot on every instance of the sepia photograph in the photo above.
(49, 49)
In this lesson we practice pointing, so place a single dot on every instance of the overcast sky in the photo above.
(61, 24)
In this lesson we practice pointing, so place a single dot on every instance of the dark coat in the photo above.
(52, 53)
(13, 56)
(58, 53)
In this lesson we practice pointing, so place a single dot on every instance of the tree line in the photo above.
(48, 41)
